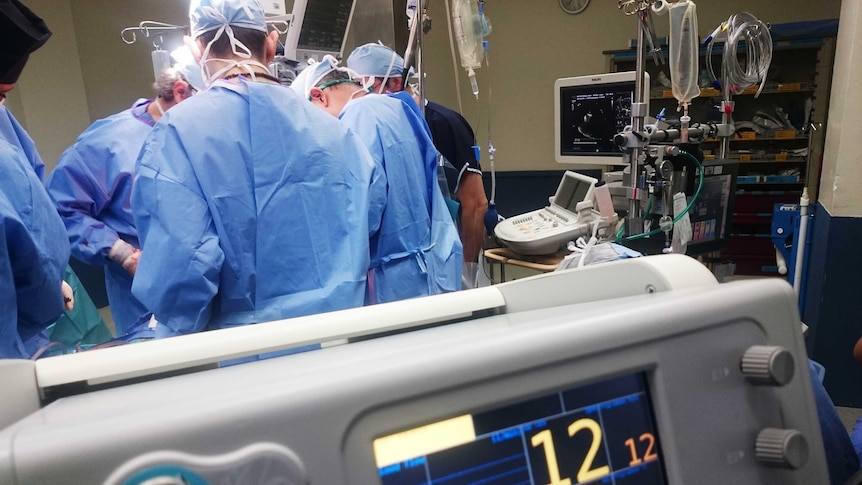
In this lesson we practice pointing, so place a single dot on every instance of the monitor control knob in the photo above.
(786, 448)
(767, 365)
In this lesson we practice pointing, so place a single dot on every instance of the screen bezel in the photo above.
(579, 179)
(600, 158)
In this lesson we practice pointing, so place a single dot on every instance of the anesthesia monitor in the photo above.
(643, 371)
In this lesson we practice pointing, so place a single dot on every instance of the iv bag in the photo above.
(161, 61)
(684, 56)
(469, 30)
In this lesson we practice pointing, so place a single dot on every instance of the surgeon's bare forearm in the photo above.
(474, 204)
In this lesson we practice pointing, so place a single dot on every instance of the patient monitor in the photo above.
(643, 371)
(318, 28)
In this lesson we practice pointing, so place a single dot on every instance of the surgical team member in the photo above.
(417, 251)
(33, 246)
(456, 142)
(382, 67)
(251, 204)
(92, 186)
(12, 132)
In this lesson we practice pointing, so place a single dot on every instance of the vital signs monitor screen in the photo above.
(325, 25)
(601, 433)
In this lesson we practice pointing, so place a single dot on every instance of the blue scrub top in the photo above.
(91, 187)
(252, 205)
(34, 252)
(12, 132)
(417, 251)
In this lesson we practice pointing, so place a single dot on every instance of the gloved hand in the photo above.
(125, 255)
(469, 276)
(68, 296)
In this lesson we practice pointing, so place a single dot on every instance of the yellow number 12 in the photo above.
(545, 439)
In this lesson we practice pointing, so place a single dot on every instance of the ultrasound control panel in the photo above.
(706, 385)
(546, 230)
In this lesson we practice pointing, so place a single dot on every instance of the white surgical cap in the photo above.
(312, 74)
(207, 15)
(184, 63)
(375, 60)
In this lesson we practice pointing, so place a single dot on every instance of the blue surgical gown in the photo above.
(91, 187)
(34, 252)
(12, 132)
(417, 251)
(252, 205)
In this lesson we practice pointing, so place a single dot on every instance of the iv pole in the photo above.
(415, 43)
(634, 224)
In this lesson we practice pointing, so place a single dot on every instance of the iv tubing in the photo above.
(646, 213)
(454, 59)
(800, 241)
(684, 212)
(755, 34)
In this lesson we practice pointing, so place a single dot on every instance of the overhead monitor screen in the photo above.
(325, 25)
(591, 115)
(599, 433)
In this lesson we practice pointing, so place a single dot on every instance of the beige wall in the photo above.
(533, 43)
(116, 74)
(49, 97)
(86, 72)
(842, 171)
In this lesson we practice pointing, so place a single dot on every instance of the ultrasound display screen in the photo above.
(571, 192)
(590, 116)
(599, 433)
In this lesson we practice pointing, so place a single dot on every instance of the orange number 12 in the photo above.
(648, 455)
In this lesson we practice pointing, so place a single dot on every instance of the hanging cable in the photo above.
(738, 74)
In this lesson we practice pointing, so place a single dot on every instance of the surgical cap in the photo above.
(184, 63)
(21, 33)
(207, 15)
(312, 74)
(375, 60)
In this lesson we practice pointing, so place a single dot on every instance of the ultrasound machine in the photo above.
(642, 371)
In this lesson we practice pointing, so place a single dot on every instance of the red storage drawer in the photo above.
(760, 246)
(751, 202)
(754, 266)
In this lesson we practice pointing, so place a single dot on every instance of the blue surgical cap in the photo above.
(312, 74)
(207, 15)
(375, 60)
